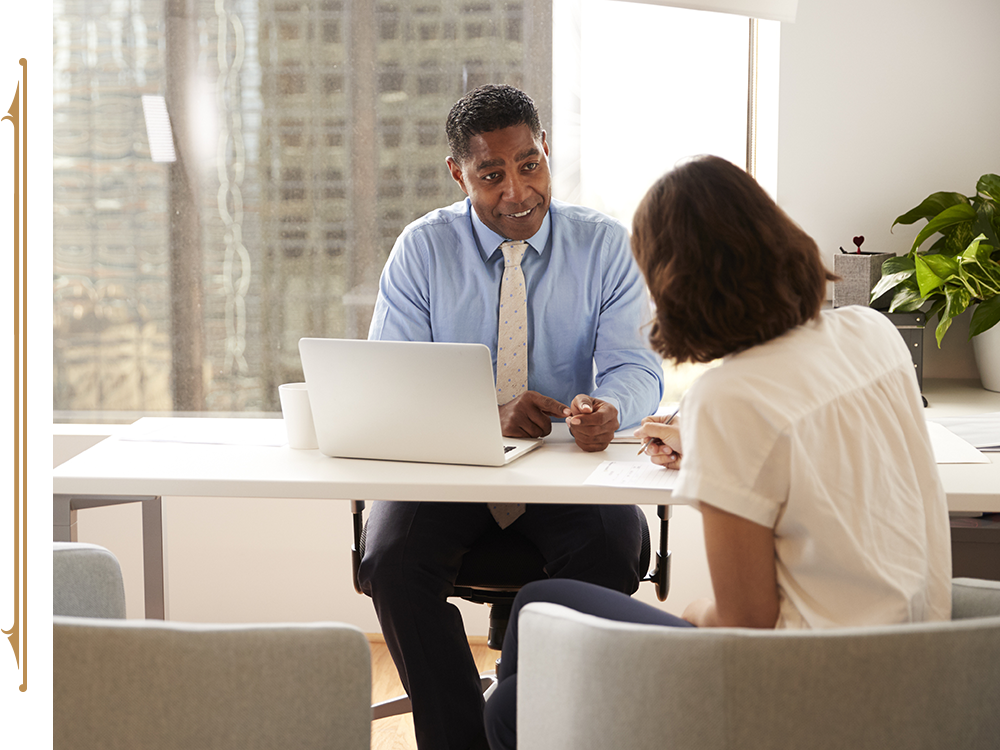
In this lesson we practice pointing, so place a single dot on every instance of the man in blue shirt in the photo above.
(588, 363)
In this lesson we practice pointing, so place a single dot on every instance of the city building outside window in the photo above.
(304, 137)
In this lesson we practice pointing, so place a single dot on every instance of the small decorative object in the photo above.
(960, 270)
(859, 272)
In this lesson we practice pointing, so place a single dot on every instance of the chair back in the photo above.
(86, 581)
(931, 685)
(973, 597)
(126, 684)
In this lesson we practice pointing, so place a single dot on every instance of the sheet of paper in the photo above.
(981, 430)
(949, 448)
(633, 474)
(217, 431)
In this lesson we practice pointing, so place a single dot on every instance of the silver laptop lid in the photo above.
(403, 400)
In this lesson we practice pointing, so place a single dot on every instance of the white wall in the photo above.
(883, 102)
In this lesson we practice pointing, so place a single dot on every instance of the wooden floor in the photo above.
(396, 732)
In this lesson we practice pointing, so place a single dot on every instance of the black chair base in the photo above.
(494, 570)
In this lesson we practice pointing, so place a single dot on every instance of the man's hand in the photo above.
(592, 422)
(529, 415)
(663, 441)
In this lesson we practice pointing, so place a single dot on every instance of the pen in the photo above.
(650, 440)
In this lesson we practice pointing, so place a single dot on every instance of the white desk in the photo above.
(119, 471)
(970, 487)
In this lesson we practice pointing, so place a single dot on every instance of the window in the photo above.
(638, 87)
(307, 136)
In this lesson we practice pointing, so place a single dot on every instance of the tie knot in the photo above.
(513, 251)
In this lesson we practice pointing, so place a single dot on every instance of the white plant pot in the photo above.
(987, 350)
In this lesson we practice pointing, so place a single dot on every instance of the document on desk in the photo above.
(949, 448)
(981, 430)
(641, 474)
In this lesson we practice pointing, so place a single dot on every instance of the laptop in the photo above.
(406, 401)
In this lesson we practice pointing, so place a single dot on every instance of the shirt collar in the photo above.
(489, 241)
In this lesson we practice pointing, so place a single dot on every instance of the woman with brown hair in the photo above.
(805, 449)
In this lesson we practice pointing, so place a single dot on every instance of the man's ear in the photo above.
(545, 145)
(456, 173)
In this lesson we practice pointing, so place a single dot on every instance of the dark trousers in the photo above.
(501, 710)
(412, 555)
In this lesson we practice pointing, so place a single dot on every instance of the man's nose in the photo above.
(515, 189)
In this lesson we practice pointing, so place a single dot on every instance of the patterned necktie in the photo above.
(512, 349)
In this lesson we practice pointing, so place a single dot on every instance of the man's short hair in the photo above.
(726, 267)
(485, 109)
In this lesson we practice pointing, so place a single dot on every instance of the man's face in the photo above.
(506, 175)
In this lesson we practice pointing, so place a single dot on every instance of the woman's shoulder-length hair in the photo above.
(726, 267)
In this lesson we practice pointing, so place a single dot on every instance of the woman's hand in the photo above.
(662, 441)
(700, 613)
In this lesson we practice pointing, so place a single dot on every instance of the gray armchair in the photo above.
(588, 683)
(125, 684)
(86, 581)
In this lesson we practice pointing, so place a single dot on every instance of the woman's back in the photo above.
(819, 433)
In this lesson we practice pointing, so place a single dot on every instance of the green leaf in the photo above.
(985, 316)
(979, 271)
(927, 280)
(906, 300)
(958, 214)
(942, 329)
(957, 299)
(897, 264)
(931, 207)
(975, 250)
(891, 282)
(986, 219)
(989, 185)
(942, 265)
(934, 271)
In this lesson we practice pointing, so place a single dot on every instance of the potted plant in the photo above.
(961, 269)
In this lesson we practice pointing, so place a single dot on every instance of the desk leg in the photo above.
(152, 558)
(63, 517)
(64, 509)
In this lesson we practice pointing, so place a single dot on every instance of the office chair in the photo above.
(158, 685)
(886, 687)
(86, 581)
(495, 569)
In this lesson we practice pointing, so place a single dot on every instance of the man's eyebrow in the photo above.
(490, 163)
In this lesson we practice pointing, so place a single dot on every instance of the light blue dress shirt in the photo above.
(587, 301)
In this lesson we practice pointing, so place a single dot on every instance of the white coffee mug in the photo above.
(297, 413)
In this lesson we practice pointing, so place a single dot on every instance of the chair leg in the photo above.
(392, 707)
(489, 683)
(402, 705)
